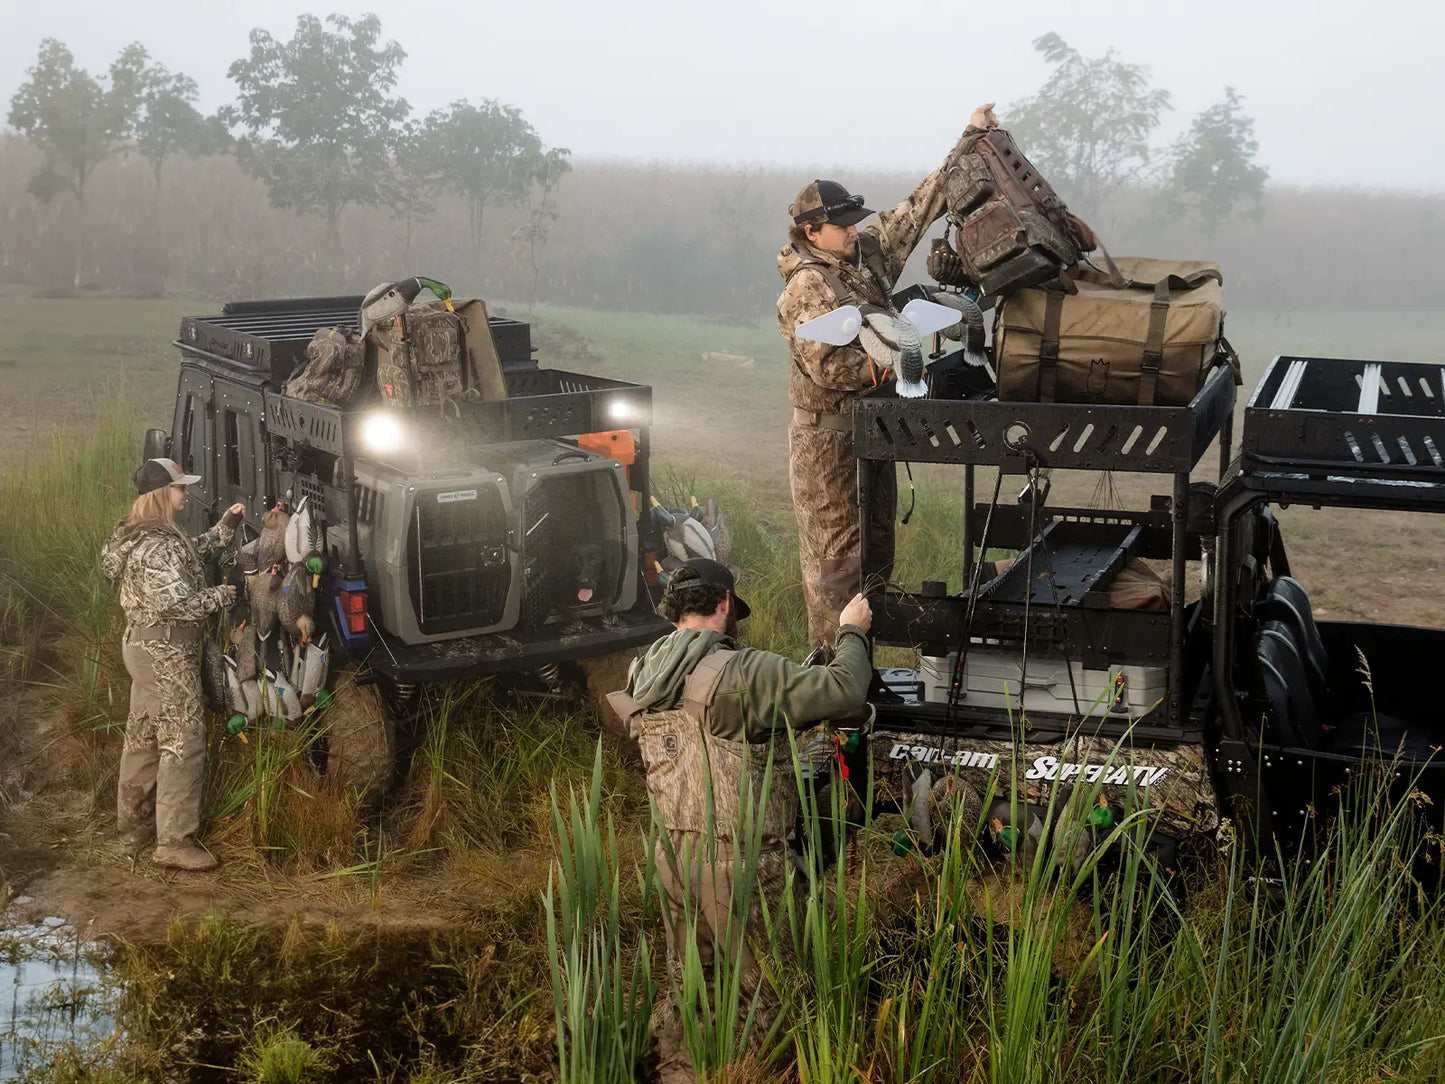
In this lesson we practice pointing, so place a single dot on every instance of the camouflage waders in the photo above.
(166, 601)
(824, 382)
(705, 891)
(703, 904)
(824, 476)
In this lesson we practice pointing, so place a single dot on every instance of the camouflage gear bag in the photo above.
(334, 370)
(1012, 229)
(421, 358)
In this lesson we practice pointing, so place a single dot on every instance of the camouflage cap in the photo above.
(828, 201)
(155, 473)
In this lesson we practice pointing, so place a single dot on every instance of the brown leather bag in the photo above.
(1149, 341)
(1011, 229)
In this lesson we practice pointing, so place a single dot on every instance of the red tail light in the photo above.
(353, 605)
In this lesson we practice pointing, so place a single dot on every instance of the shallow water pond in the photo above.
(221, 1001)
(56, 996)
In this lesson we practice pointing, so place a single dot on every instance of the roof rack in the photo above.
(964, 424)
(1335, 417)
(270, 337)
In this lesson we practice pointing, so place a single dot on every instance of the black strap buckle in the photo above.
(1152, 362)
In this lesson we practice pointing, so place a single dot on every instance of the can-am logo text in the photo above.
(954, 758)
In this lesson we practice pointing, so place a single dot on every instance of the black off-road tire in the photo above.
(606, 674)
(361, 755)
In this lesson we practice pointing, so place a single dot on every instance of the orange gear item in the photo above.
(618, 444)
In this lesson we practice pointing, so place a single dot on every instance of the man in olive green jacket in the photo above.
(709, 716)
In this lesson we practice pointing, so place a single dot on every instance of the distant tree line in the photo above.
(318, 178)
(314, 120)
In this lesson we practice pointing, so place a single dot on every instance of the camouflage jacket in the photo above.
(827, 378)
(160, 572)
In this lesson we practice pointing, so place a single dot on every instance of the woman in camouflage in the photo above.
(826, 263)
(166, 601)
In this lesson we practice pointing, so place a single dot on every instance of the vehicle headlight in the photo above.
(381, 432)
(625, 412)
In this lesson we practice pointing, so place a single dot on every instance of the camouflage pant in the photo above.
(164, 757)
(824, 475)
(706, 898)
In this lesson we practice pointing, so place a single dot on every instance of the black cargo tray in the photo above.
(1060, 604)
(1069, 564)
(1084, 436)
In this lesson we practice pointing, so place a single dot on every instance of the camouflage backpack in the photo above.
(334, 370)
(421, 357)
(1010, 227)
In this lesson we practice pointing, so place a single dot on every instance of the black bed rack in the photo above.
(970, 429)
(961, 423)
(270, 336)
(541, 404)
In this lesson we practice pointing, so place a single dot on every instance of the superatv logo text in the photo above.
(1045, 768)
(1143, 775)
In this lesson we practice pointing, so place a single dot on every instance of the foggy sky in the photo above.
(1342, 93)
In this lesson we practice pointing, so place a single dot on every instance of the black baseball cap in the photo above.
(828, 201)
(705, 572)
(157, 473)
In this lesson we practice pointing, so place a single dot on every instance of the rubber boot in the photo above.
(186, 855)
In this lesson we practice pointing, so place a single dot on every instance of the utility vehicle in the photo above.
(487, 537)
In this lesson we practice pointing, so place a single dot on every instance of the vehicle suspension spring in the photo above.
(404, 693)
(551, 674)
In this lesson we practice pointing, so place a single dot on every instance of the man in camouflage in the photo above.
(827, 263)
(166, 600)
(708, 716)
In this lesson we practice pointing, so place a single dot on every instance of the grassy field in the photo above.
(489, 923)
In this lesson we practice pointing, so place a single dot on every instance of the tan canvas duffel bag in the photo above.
(1150, 341)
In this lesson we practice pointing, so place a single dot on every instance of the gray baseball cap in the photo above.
(156, 473)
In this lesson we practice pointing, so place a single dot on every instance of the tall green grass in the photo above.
(56, 510)
(602, 985)
(1083, 961)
